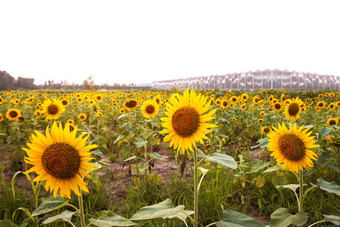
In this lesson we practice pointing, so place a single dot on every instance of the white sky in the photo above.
(140, 41)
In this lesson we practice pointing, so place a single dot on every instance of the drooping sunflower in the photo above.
(186, 120)
(150, 108)
(292, 147)
(60, 158)
(293, 108)
(332, 121)
(265, 130)
(131, 104)
(52, 109)
(13, 114)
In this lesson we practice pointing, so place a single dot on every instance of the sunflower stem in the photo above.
(195, 189)
(81, 209)
(301, 191)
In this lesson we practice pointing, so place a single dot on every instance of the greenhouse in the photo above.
(267, 79)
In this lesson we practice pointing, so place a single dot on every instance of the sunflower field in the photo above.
(169, 158)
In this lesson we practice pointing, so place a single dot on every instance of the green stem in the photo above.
(316, 223)
(301, 191)
(81, 209)
(195, 190)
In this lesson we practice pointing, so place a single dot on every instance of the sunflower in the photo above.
(332, 121)
(292, 147)
(82, 117)
(121, 110)
(262, 113)
(1, 117)
(131, 104)
(331, 106)
(277, 106)
(52, 109)
(321, 104)
(185, 122)
(293, 109)
(150, 108)
(61, 159)
(265, 130)
(65, 102)
(13, 114)
(99, 97)
(260, 120)
(224, 103)
(233, 119)
(233, 99)
(244, 97)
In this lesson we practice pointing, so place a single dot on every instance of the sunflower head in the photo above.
(52, 109)
(187, 121)
(150, 108)
(13, 114)
(291, 146)
(265, 130)
(61, 158)
(293, 108)
(1, 117)
(82, 117)
(131, 104)
(332, 121)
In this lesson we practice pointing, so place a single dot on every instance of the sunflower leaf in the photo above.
(329, 187)
(7, 223)
(324, 131)
(156, 156)
(259, 165)
(160, 210)
(237, 219)
(49, 204)
(223, 159)
(332, 218)
(65, 216)
(282, 218)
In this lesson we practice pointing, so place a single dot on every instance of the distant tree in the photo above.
(27, 83)
(89, 84)
(7, 82)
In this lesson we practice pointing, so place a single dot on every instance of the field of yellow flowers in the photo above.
(169, 158)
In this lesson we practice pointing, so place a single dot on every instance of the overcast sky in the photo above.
(142, 41)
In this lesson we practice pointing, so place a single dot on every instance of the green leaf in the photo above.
(237, 219)
(279, 180)
(156, 156)
(263, 142)
(65, 216)
(49, 204)
(182, 215)
(142, 167)
(292, 187)
(122, 116)
(332, 218)
(259, 165)
(111, 220)
(334, 167)
(13, 178)
(159, 210)
(329, 187)
(131, 158)
(260, 181)
(26, 211)
(282, 218)
(98, 153)
(141, 143)
(7, 223)
(223, 159)
(323, 158)
(273, 168)
(324, 131)
(120, 137)
(96, 167)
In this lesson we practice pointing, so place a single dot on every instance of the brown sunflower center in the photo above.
(225, 103)
(292, 147)
(332, 122)
(293, 109)
(150, 109)
(13, 114)
(64, 102)
(277, 106)
(61, 160)
(131, 103)
(266, 130)
(53, 109)
(185, 121)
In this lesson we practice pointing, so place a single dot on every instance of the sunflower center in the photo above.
(150, 109)
(292, 147)
(266, 130)
(277, 106)
(293, 109)
(185, 121)
(64, 102)
(131, 103)
(332, 122)
(61, 160)
(53, 109)
(225, 103)
(13, 114)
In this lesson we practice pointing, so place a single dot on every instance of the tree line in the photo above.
(8, 82)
